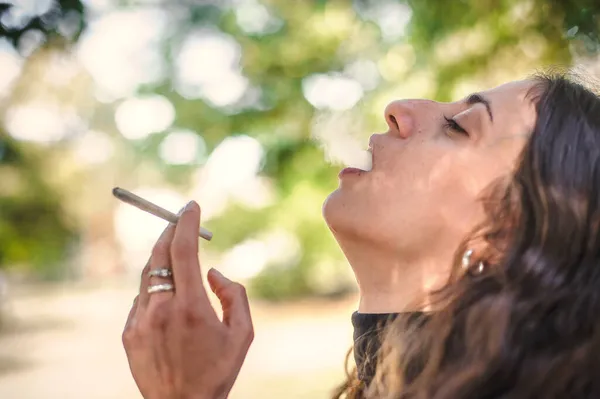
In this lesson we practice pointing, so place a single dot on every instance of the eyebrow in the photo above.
(477, 98)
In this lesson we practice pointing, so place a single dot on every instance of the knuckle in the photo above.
(130, 337)
(250, 334)
(158, 322)
(127, 337)
(190, 314)
(146, 268)
(235, 291)
(158, 315)
(240, 290)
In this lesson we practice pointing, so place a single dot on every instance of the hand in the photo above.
(176, 345)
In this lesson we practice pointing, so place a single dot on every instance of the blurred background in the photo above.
(250, 107)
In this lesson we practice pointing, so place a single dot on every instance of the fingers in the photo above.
(184, 255)
(129, 323)
(234, 301)
(160, 258)
(143, 295)
(131, 312)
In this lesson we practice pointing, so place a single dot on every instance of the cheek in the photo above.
(458, 190)
(438, 191)
(455, 202)
(417, 189)
(420, 171)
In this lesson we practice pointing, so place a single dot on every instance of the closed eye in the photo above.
(454, 126)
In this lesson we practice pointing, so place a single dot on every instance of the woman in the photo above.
(474, 241)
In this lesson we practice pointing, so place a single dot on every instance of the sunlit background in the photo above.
(250, 107)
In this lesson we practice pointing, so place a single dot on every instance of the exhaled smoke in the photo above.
(343, 140)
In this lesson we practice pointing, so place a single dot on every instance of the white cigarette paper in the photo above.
(147, 206)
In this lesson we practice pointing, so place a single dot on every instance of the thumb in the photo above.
(234, 301)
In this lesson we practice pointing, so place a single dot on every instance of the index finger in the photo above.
(184, 254)
(160, 258)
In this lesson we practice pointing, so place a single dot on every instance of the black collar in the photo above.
(368, 328)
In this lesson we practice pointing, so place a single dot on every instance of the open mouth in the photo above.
(357, 159)
(367, 158)
(364, 160)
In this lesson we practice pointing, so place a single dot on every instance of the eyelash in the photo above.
(451, 124)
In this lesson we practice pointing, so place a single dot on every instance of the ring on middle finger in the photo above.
(162, 272)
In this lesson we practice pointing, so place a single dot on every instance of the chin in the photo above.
(328, 207)
(338, 212)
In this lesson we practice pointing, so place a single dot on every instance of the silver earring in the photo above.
(466, 259)
(466, 263)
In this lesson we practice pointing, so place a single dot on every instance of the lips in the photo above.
(351, 172)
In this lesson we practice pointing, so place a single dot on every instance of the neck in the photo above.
(390, 282)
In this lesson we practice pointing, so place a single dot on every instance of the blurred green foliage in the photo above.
(34, 231)
(446, 44)
(47, 22)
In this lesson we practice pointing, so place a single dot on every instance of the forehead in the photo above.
(511, 90)
(513, 109)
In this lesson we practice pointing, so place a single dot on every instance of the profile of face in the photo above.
(429, 171)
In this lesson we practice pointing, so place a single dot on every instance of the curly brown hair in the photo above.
(528, 326)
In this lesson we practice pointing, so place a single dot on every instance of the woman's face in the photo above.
(430, 168)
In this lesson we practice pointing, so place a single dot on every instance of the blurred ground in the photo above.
(65, 342)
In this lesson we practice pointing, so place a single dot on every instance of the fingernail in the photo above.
(189, 206)
(217, 273)
(181, 211)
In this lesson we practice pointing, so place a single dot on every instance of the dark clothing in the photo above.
(367, 341)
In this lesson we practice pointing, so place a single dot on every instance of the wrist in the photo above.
(204, 396)
(207, 395)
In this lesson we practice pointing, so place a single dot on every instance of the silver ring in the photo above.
(163, 272)
(160, 288)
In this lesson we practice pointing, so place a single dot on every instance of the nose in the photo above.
(401, 117)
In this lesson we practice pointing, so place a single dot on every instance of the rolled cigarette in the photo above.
(153, 209)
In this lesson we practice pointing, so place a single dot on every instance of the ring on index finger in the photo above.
(163, 272)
